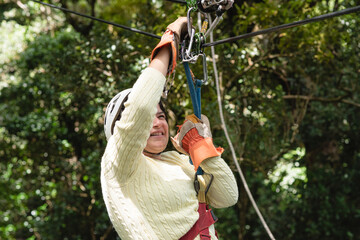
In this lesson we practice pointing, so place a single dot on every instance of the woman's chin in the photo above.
(155, 149)
(156, 145)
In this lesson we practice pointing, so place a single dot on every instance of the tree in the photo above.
(290, 101)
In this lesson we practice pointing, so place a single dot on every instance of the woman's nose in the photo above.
(156, 122)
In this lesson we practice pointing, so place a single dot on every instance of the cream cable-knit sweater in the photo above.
(148, 198)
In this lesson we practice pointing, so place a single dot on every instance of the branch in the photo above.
(267, 56)
(320, 99)
(81, 28)
(351, 103)
(107, 233)
(22, 6)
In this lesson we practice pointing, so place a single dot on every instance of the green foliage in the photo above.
(52, 137)
(290, 100)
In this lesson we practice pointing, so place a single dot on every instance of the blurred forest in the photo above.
(291, 100)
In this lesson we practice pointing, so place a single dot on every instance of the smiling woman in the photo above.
(150, 194)
(159, 135)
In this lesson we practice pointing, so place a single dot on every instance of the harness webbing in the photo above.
(195, 91)
(201, 227)
(206, 215)
(195, 94)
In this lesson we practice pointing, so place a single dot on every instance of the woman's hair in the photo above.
(163, 109)
(122, 107)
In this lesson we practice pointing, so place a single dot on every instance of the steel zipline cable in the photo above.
(285, 26)
(105, 21)
(227, 40)
(98, 19)
(177, 1)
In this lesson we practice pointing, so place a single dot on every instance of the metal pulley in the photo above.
(192, 45)
(209, 6)
(195, 41)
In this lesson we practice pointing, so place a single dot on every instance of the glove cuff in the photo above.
(191, 137)
(202, 150)
(168, 38)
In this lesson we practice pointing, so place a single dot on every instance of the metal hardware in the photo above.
(197, 183)
(210, 5)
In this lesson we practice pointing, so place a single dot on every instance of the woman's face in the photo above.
(159, 133)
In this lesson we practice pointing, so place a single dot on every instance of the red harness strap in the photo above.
(206, 219)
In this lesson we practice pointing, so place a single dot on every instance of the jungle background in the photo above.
(290, 99)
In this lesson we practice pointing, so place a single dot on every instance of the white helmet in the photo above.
(113, 111)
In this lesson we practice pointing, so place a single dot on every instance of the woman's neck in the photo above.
(152, 155)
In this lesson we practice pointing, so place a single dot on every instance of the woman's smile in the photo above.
(159, 133)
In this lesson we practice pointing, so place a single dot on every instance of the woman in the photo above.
(149, 194)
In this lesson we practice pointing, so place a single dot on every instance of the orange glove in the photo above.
(195, 139)
(174, 33)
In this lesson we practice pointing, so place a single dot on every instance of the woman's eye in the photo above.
(161, 116)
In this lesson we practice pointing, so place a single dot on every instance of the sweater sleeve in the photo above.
(223, 191)
(132, 130)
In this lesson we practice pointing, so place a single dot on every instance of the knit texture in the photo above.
(148, 198)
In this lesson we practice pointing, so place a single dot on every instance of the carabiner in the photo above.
(188, 51)
(197, 183)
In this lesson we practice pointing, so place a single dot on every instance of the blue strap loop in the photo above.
(195, 94)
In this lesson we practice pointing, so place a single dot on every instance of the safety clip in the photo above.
(197, 183)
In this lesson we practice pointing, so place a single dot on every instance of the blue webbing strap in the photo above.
(193, 92)
(198, 95)
(195, 95)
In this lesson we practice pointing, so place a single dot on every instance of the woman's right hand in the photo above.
(179, 27)
(172, 37)
(194, 138)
